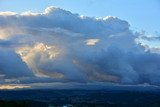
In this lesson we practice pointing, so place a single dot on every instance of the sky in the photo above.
(79, 44)
(141, 14)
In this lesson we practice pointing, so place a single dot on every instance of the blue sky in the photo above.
(141, 14)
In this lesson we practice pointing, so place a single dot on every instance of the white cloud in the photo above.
(58, 46)
(11, 87)
(92, 41)
(7, 13)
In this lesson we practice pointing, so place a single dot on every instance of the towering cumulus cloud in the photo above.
(57, 46)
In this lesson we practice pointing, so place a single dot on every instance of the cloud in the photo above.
(12, 66)
(7, 13)
(11, 87)
(92, 41)
(150, 42)
(59, 46)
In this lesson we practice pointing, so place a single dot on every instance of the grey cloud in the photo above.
(157, 38)
(54, 46)
(11, 65)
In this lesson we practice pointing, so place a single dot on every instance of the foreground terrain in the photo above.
(79, 98)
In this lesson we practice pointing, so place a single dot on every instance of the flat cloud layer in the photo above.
(59, 46)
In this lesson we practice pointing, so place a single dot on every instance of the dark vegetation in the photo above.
(79, 98)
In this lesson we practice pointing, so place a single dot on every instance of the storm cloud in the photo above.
(59, 46)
